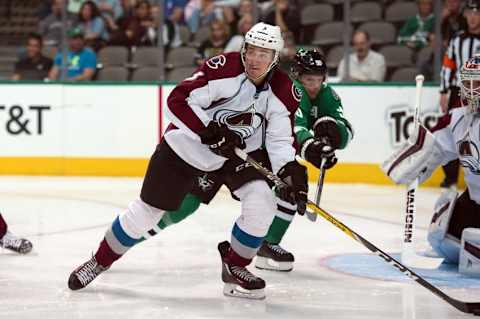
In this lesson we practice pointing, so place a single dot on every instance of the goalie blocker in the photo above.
(454, 230)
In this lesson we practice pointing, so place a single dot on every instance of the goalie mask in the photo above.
(470, 84)
(264, 36)
(309, 62)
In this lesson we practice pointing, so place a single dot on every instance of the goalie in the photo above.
(454, 232)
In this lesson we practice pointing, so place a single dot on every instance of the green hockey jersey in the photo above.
(326, 103)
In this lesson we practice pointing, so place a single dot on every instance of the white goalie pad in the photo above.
(469, 263)
(442, 243)
(418, 157)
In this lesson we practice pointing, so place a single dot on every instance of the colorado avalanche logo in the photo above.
(297, 93)
(469, 156)
(216, 62)
(244, 123)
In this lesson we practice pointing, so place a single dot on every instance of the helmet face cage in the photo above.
(470, 84)
(309, 62)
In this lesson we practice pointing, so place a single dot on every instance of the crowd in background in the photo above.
(94, 25)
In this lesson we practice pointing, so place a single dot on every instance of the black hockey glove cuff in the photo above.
(295, 176)
(326, 128)
(314, 150)
(221, 140)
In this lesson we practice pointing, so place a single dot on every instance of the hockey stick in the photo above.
(409, 256)
(467, 307)
(318, 195)
(321, 177)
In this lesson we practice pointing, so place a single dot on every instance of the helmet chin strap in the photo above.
(264, 74)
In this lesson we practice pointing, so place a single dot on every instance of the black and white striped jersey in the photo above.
(461, 48)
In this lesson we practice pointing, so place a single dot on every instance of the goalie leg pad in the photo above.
(469, 263)
(441, 241)
(417, 158)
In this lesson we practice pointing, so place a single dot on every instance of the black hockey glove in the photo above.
(221, 140)
(326, 128)
(313, 150)
(295, 176)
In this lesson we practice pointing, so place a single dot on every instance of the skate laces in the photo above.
(277, 249)
(88, 271)
(9, 240)
(242, 273)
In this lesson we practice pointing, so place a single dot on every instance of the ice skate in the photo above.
(274, 257)
(16, 244)
(85, 274)
(239, 282)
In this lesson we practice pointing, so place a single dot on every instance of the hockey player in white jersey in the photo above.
(454, 232)
(233, 100)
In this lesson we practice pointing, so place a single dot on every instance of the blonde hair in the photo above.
(223, 25)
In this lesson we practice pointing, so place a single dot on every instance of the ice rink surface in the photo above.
(177, 273)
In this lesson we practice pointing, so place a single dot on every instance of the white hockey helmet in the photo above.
(266, 36)
(470, 83)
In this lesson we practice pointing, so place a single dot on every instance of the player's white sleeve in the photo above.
(416, 158)
(192, 111)
(279, 135)
(444, 138)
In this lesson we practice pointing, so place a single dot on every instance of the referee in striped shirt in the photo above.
(460, 48)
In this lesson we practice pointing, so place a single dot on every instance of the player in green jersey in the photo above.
(319, 122)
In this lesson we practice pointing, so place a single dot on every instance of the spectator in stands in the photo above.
(415, 32)
(174, 12)
(287, 55)
(136, 30)
(81, 61)
(74, 6)
(452, 20)
(111, 11)
(91, 22)
(44, 9)
(51, 27)
(128, 9)
(245, 7)
(34, 66)
(199, 13)
(215, 44)
(365, 64)
(244, 24)
(286, 16)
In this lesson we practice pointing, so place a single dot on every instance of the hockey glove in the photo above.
(295, 176)
(313, 150)
(221, 140)
(326, 128)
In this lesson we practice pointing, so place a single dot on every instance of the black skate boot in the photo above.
(274, 257)
(239, 282)
(16, 244)
(85, 274)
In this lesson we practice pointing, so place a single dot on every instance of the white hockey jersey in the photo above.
(459, 137)
(220, 91)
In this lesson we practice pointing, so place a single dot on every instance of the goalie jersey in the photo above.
(459, 137)
(220, 91)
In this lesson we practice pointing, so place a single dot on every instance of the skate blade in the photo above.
(270, 264)
(233, 290)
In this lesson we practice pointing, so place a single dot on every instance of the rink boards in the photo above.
(112, 129)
